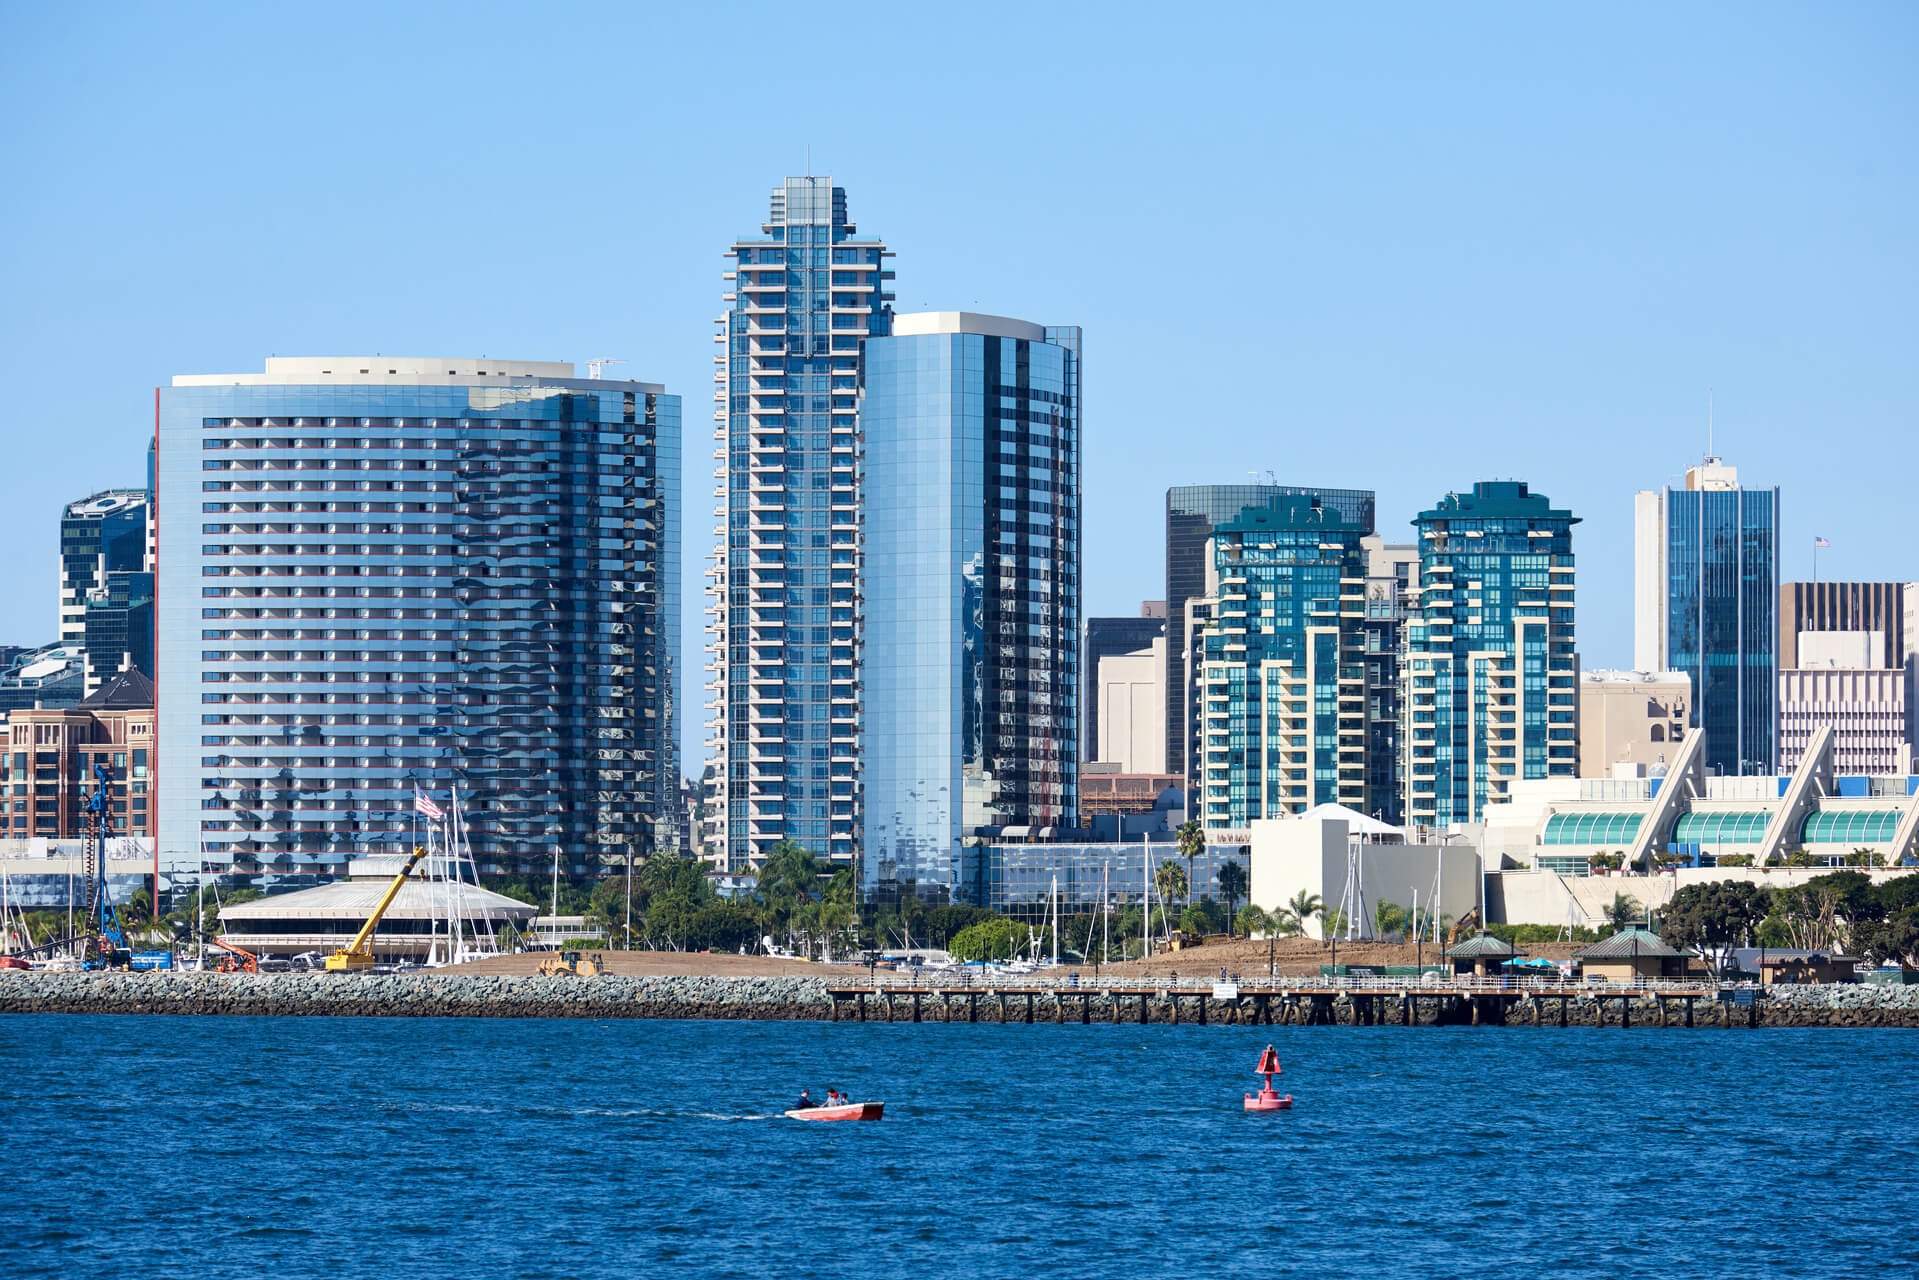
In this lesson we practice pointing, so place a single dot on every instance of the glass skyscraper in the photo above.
(1192, 512)
(377, 573)
(106, 582)
(1282, 683)
(784, 678)
(971, 590)
(1490, 673)
(1706, 602)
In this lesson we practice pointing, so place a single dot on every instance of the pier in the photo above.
(1364, 1002)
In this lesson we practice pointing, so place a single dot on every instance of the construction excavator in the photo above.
(358, 954)
(1463, 928)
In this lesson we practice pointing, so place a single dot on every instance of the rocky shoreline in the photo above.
(441, 995)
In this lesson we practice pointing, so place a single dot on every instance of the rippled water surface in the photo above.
(345, 1147)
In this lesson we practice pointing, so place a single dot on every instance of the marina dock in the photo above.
(1368, 1002)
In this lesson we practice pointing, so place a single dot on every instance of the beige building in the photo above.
(1845, 679)
(1132, 709)
(1631, 717)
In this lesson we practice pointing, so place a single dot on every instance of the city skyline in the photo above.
(1562, 285)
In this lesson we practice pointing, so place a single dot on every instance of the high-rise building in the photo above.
(1490, 669)
(1116, 636)
(1392, 571)
(1192, 512)
(106, 582)
(784, 615)
(971, 589)
(1886, 608)
(1282, 681)
(1705, 602)
(1130, 698)
(1849, 657)
(379, 573)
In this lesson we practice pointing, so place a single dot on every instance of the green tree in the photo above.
(1251, 919)
(995, 939)
(1390, 918)
(1300, 908)
(1169, 881)
(789, 886)
(1233, 883)
(1714, 917)
(1191, 842)
(1621, 911)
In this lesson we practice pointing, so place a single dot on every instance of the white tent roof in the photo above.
(1357, 823)
(355, 900)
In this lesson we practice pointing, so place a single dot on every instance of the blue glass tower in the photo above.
(971, 589)
(1490, 674)
(784, 677)
(377, 573)
(1706, 602)
(1282, 679)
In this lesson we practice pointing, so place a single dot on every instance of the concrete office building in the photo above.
(1705, 602)
(1192, 513)
(783, 682)
(382, 572)
(1131, 704)
(1120, 636)
(1631, 717)
(1888, 609)
(1490, 670)
(970, 577)
(1844, 681)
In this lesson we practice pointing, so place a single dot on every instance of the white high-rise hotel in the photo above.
(783, 688)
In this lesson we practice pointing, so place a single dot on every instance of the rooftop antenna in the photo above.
(1709, 423)
(593, 367)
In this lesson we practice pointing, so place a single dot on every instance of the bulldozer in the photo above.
(570, 962)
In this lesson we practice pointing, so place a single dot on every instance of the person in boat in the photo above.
(806, 1102)
(833, 1098)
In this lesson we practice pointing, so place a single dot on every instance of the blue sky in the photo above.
(1403, 247)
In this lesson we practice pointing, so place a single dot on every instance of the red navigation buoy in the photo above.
(1268, 1099)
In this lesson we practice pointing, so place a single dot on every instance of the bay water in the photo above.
(323, 1147)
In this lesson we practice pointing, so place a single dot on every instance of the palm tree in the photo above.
(1169, 881)
(1621, 911)
(1253, 920)
(1232, 886)
(1303, 906)
(1190, 841)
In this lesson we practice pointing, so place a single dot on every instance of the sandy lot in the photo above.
(672, 964)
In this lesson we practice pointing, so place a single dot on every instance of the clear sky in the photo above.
(1397, 247)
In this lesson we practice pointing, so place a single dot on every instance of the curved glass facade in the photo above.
(370, 586)
(970, 584)
(1849, 826)
(1592, 828)
(1736, 827)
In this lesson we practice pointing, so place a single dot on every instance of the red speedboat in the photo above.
(850, 1111)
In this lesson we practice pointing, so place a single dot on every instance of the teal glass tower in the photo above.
(783, 682)
(1491, 678)
(971, 589)
(1282, 677)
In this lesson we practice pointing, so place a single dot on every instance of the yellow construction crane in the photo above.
(359, 954)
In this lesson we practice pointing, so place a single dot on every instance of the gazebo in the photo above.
(1633, 952)
(1481, 954)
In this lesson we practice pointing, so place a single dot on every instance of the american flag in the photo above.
(422, 803)
(1820, 542)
